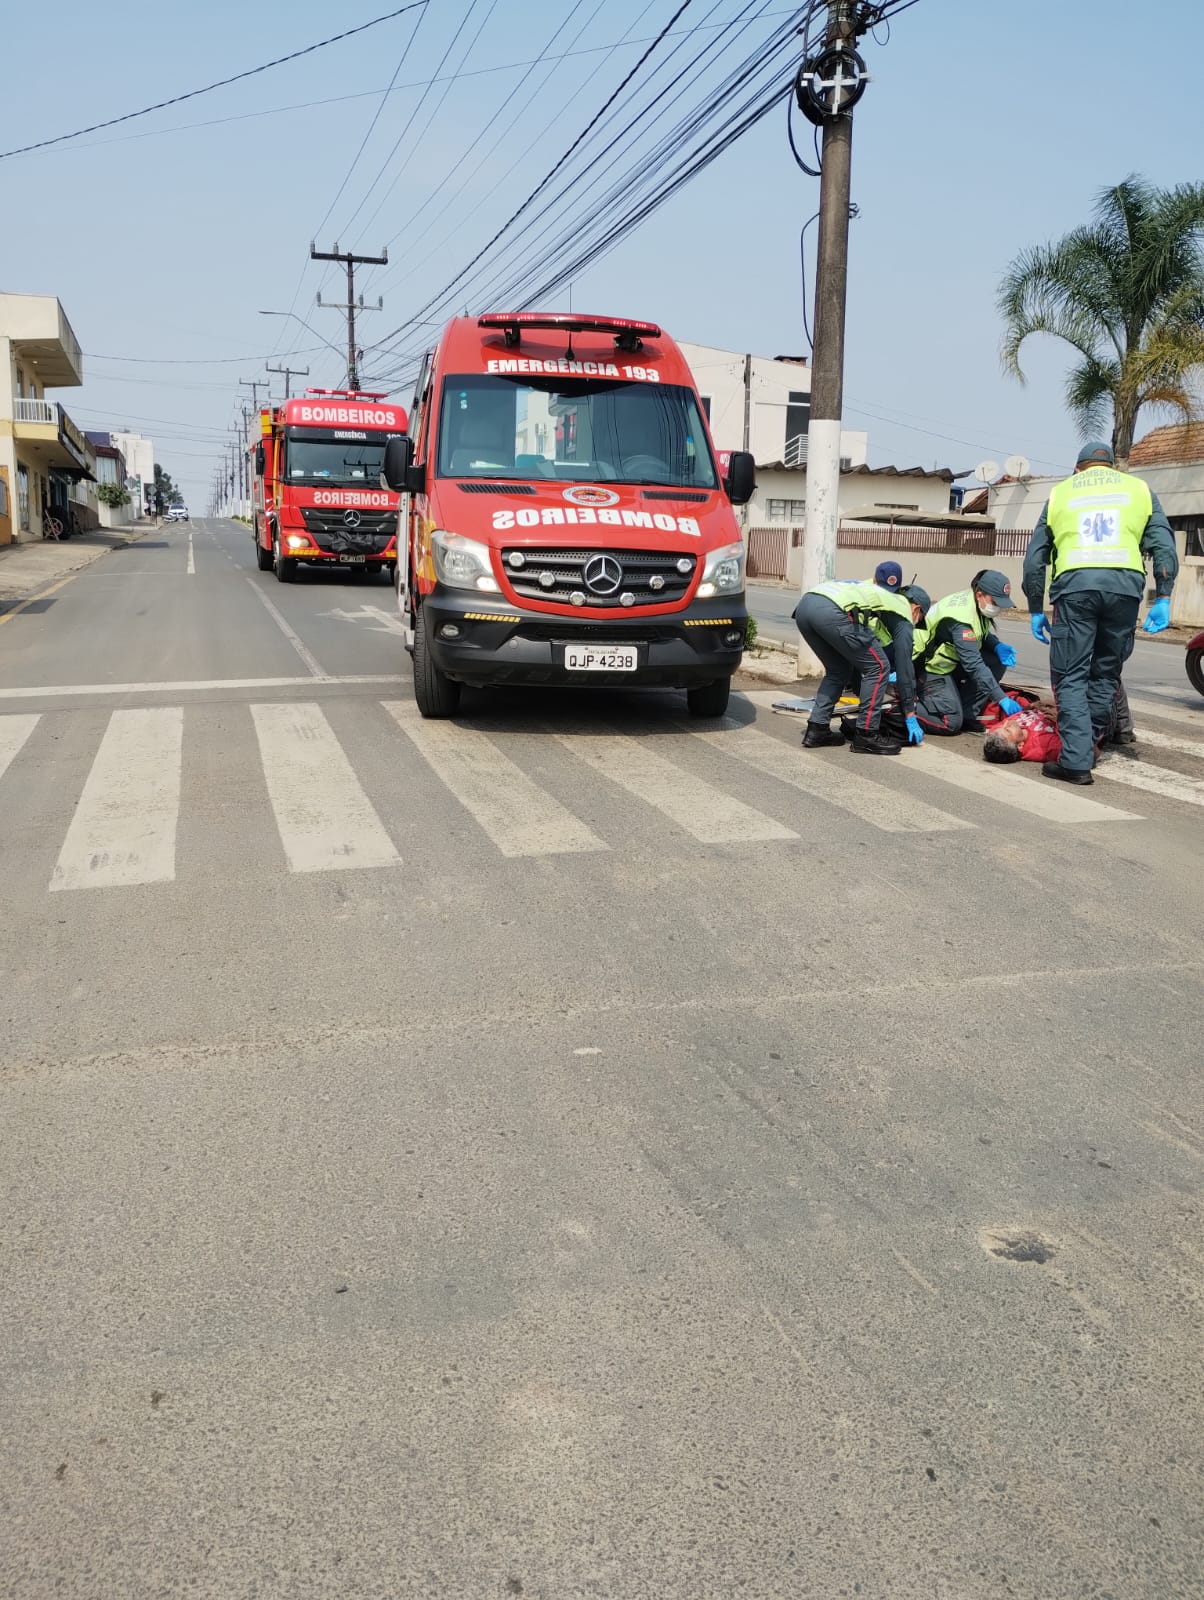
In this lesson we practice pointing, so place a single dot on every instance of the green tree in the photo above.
(1126, 292)
(166, 492)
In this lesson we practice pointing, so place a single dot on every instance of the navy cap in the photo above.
(889, 575)
(996, 585)
(1097, 453)
(918, 597)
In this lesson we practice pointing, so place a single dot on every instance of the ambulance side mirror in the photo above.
(741, 478)
(261, 459)
(398, 472)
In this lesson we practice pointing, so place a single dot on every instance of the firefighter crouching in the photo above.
(960, 661)
(849, 625)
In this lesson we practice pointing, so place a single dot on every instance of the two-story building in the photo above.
(43, 455)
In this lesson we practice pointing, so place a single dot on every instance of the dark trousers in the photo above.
(939, 704)
(842, 644)
(1091, 637)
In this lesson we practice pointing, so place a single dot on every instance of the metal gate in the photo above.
(768, 549)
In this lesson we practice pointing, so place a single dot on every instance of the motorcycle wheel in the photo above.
(1195, 670)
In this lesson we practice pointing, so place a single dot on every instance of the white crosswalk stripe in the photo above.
(326, 821)
(1167, 712)
(703, 811)
(521, 818)
(1136, 774)
(124, 828)
(13, 733)
(1040, 798)
(831, 780)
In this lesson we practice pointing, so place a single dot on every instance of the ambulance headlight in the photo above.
(723, 572)
(462, 563)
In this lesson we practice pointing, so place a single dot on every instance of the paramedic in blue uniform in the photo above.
(1098, 529)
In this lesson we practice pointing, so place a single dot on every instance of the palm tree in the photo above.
(1127, 293)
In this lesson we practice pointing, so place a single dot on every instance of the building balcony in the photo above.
(35, 411)
(46, 435)
(41, 339)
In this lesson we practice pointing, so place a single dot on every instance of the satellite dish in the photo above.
(1017, 467)
(986, 471)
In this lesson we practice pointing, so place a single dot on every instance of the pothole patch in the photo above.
(1020, 1245)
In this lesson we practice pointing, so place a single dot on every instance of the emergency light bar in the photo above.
(628, 335)
(348, 394)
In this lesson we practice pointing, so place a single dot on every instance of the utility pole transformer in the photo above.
(350, 261)
(289, 372)
(828, 86)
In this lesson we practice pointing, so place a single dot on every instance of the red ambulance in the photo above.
(316, 494)
(564, 519)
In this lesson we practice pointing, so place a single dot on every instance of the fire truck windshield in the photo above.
(568, 429)
(331, 460)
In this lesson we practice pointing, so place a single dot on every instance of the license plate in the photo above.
(351, 560)
(601, 657)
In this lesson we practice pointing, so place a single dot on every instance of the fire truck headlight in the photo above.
(462, 563)
(723, 572)
(297, 542)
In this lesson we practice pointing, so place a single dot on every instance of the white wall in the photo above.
(719, 375)
(139, 456)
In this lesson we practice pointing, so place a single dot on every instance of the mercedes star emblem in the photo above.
(351, 519)
(602, 575)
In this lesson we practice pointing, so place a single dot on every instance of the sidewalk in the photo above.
(27, 567)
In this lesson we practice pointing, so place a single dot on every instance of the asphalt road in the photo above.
(1154, 668)
(568, 1154)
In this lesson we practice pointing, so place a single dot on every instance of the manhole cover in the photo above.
(1016, 1244)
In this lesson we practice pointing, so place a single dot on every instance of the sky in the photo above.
(165, 237)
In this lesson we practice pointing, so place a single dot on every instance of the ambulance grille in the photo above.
(566, 569)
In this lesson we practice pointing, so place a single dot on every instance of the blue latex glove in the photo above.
(1159, 616)
(1039, 623)
(915, 734)
(1010, 707)
(1007, 656)
(894, 678)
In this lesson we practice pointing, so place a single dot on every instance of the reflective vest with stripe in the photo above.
(865, 602)
(962, 609)
(1097, 519)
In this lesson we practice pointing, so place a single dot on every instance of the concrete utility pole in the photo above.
(831, 90)
(289, 372)
(255, 386)
(350, 261)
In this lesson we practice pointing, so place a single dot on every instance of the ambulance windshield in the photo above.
(573, 429)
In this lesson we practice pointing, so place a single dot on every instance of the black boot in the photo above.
(817, 736)
(1054, 769)
(876, 743)
(1121, 736)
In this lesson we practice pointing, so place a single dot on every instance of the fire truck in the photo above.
(316, 494)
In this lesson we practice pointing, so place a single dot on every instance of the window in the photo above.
(3, 497)
(893, 505)
(786, 510)
(318, 456)
(1193, 530)
(846, 463)
(23, 495)
(706, 405)
(798, 418)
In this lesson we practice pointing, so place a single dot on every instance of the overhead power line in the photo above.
(222, 83)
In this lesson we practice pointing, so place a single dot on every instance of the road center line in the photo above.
(191, 561)
(310, 660)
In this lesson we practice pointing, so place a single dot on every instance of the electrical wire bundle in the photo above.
(565, 224)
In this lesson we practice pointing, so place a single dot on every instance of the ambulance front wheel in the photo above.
(436, 694)
(709, 699)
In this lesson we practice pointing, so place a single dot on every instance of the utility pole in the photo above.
(828, 87)
(289, 372)
(254, 386)
(350, 261)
